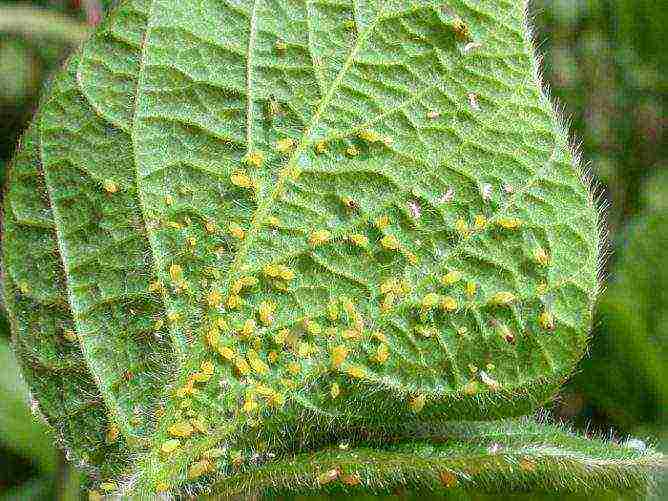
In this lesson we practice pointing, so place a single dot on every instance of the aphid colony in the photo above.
(261, 360)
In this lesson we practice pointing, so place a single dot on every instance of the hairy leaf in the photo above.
(254, 227)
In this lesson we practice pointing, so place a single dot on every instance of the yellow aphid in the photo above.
(351, 334)
(294, 368)
(448, 303)
(170, 445)
(389, 285)
(281, 336)
(304, 350)
(250, 404)
(285, 273)
(328, 476)
(276, 399)
(509, 223)
(471, 289)
(546, 320)
(214, 453)
(214, 299)
(161, 487)
(210, 227)
(233, 302)
(70, 335)
(338, 355)
(359, 239)
(369, 136)
(173, 316)
(412, 258)
(254, 158)
(182, 430)
(429, 301)
(333, 310)
(471, 388)
(169, 200)
(159, 323)
(479, 222)
(352, 151)
(227, 353)
(389, 242)
(110, 186)
(242, 366)
(541, 256)
(266, 312)
(388, 141)
(112, 433)
(94, 496)
(382, 353)
(313, 327)
(356, 371)
(379, 336)
(285, 145)
(319, 237)
(382, 222)
(334, 390)
(200, 425)
(417, 403)
(213, 337)
(248, 328)
(451, 277)
(176, 272)
(462, 227)
(108, 486)
(207, 367)
(427, 332)
(503, 298)
(237, 231)
(280, 46)
(174, 225)
(461, 29)
(186, 390)
(272, 356)
(201, 377)
(273, 222)
(388, 302)
(433, 115)
(191, 241)
(198, 469)
(256, 363)
(320, 147)
(155, 286)
(542, 288)
(241, 180)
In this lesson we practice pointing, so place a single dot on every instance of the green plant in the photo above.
(234, 233)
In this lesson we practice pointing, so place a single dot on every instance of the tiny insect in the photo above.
(461, 29)
(110, 186)
(350, 203)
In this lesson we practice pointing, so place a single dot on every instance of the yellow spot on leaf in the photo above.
(170, 445)
(319, 237)
(390, 242)
(503, 298)
(181, 430)
(110, 186)
(417, 403)
(448, 303)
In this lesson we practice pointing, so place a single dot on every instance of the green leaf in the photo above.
(490, 458)
(293, 221)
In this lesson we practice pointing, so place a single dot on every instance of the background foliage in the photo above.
(603, 60)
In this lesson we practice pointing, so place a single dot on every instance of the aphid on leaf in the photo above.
(352, 151)
(471, 388)
(448, 303)
(159, 487)
(198, 469)
(333, 310)
(214, 299)
(191, 241)
(254, 158)
(541, 256)
(169, 200)
(237, 231)
(479, 222)
(200, 425)
(352, 479)
(390, 242)
(320, 147)
(108, 486)
(281, 336)
(388, 302)
(328, 476)
(473, 101)
(489, 381)
(356, 371)
(227, 353)
(248, 328)
(334, 390)
(350, 203)
(173, 316)
(242, 366)
(213, 337)
(509, 223)
(447, 479)
(112, 434)
(382, 222)
(461, 29)
(233, 302)
(352, 334)
(70, 335)
(294, 368)
(181, 430)
(266, 312)
(503, 298)
(451, 277)
(433, 115)
(429, 301)
(241, 180)
(155, 286)
(319, 237)
(546, 320)
(382, 353)
(273, 109)
(176, 273)
(417, 403)
(273, 222)
(462, 227)
(207, 367)
(338, 355)
(359, 239)
(110, 186)
(313, 327)
(285, 145)
(210, 227)
(280, 46)
(471, 288)
(369, 136)
(256, 363)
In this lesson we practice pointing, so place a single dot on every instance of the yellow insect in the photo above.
(319, 237)
(461, 29)
(448, 303)
(451, 277)
(503, 298)
(338, 355)
(110, 186)
(254, 158)
(417, 403)
(390, 242)
(285, 145)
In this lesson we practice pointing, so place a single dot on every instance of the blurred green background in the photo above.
(605, 61)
